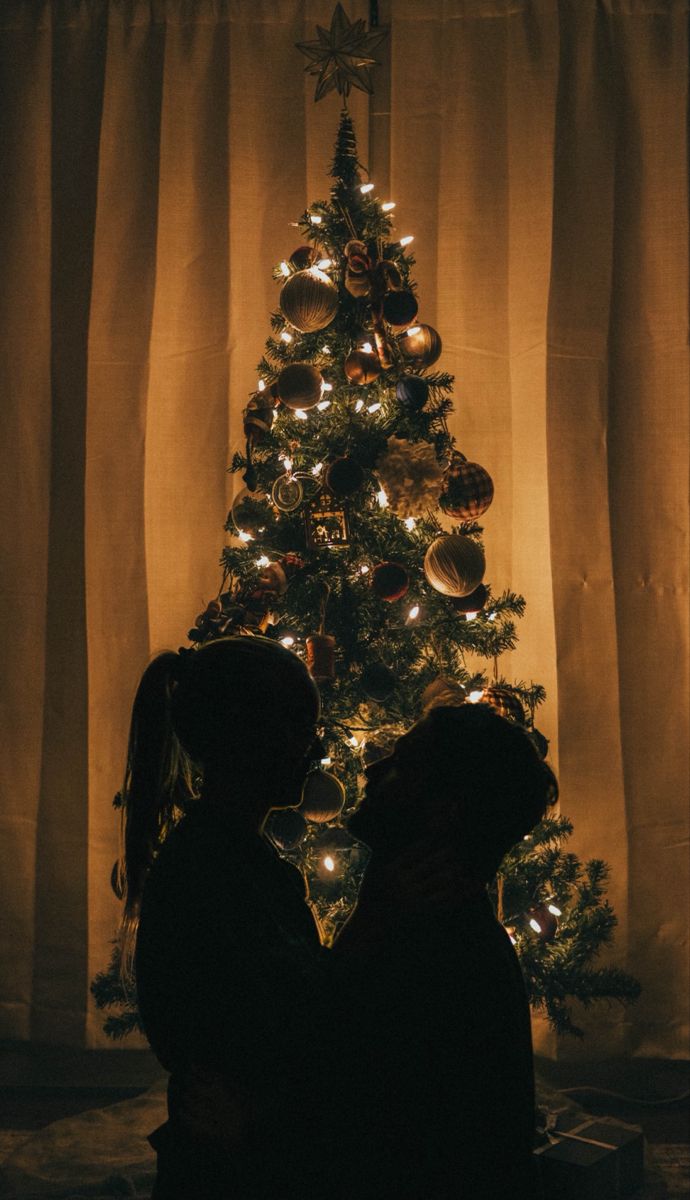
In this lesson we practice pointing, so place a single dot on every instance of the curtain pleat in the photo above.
(154, 157)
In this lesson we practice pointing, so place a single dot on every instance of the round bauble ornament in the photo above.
(545, 922)
(362, 366)
(323, 797)
(344, 476)
(454, 564)
(400, 308)
(304, 257)
(378, 681)
(505, 702)
(300, 386)
(541, 743)
(443, 692)
(258, 419)
(286, 828)
(321, 657)
(389, 581)
(467, 489)
(412, 392)
(250, 512)
(473, 602)
(309, 300)
(421, 345)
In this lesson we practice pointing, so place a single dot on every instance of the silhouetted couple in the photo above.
(397, 1064)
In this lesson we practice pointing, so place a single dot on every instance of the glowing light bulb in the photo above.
(326, 762)
(287, 463)
(325, 350)
(285, 269)
(535, 925)
(353, 742)
(300, 414)
(470, 616)
(366, 187)
(475, 697)
(367, 348)
(553, 909)
(374, 407)
(382, 499)
(262, 385)
(315, 219)
(319, 275)
(512, 939)
(287, 642)
(413, 613)
(245, 537)
(263, 561)
(491, 617)
(317, 469)
(388, 206)
(409, 523)
(285, 336)
(415, 329)
(329, 863)
(323, 405)
(406, 240)
(326, 387)
(364, 569)
(324, 263)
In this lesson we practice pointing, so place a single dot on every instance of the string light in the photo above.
(470, 616)
(359, 406)
(287, 642)
(324, 263)
(326, 387)
(406, 240)
(245, 537)
(388, 206)
(300, 414)
(491, 616)
(413, 613)
(287, 463)
(382, 499)
(315, 219)
(415, 329)
(323, 405)
(262, 385)
(329, 863)
(374, 407)
(284, 269)
(325, 350)
(364, 569)
(475, 697)
(353, 742)
(263, 561)
(326, 762)
(367, 348)
(535, 925)
(410, 523)
(319, 275)
(553, 909)
(285, 336)
(366, 187)
(317, 469)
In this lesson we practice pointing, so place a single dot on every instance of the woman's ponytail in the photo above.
(158, 781)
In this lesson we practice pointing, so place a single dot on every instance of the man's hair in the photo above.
(491, 768)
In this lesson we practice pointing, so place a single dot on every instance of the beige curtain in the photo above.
(155, 153)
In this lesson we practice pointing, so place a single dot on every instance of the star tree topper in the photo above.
(342, 55)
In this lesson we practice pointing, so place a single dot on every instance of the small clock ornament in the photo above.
(389, 581)
(506, 703)
(309, 300)
(300, 386)
(467, 489)
(454, 564)
(412, 392)
(421, 345)
(323, 797)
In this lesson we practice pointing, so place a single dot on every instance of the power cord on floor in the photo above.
(628, 1099)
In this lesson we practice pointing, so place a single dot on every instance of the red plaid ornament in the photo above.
(467, 489)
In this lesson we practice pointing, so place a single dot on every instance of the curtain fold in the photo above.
(154, 155)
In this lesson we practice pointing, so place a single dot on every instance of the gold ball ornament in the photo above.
(454, 564)
(421, 345)
(309, 300)
(323, 797)
(299, 386)
(362, 366)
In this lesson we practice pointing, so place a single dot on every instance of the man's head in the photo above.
(464, 771)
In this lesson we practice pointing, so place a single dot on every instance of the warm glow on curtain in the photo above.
(154, 155)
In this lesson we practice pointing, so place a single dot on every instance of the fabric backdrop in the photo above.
(154, 155)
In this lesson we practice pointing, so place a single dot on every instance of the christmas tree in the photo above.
(354, 541)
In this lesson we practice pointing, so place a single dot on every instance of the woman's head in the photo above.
(463, 768)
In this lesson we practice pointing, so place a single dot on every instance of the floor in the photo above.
(40, 1085)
